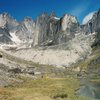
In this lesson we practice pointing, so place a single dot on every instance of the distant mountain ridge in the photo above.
(46, 31)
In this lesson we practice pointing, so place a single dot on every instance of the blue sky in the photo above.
(33, 8)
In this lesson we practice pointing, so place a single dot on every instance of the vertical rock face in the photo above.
(69, 26)
(52, 30)
(68, 21)
(42, 29)
(47, 30)
(93, 24)
(97, 39)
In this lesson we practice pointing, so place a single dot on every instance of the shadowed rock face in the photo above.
(47, 30)
(6, 23)
(55, 30)
(93, 25)
(52, 30)
(95, 22)
(97, 39)
(4, 36)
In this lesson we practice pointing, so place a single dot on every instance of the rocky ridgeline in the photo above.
(47, 30)
(62, 41)
(51, 30)
(34, 48)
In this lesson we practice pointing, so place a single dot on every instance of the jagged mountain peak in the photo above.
(93, 24)
(43, 15)
(7, 21)
(27, 18)
(5, 15)
(29, 21)
(97, 13)
(53, 14)
(71, 18)
(47, 28)
(68, 21)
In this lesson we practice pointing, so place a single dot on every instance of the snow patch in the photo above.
(57, 18)
(88, 17)
(14, 38)
(94, 33)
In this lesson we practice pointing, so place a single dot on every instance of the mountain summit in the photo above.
(58, 36)
(50, 52)
(46, 30)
